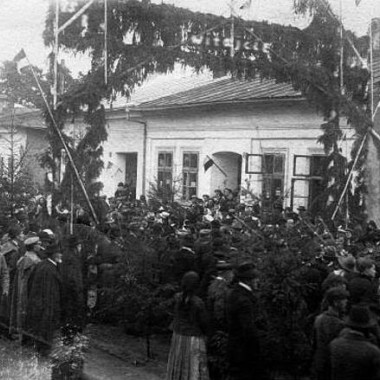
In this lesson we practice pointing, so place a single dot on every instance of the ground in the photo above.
(113, 355)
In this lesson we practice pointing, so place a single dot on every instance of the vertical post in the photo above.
(105, 43)
(371, 59)
(72, 206)
(232, 30)
(56, 50)
(341, 49)
(341, 88)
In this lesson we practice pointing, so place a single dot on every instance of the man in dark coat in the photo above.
(44, 300)
(352, 355)
(243, 347)
(327, 327)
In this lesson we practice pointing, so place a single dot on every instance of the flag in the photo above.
(246, 4)
(357, 2)
(208, 162)
(20, 60)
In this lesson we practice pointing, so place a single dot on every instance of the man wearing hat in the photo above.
(19, 296)
(11, 252)
(327, 327)
(352, 355)
(243, 347)
(44, 302)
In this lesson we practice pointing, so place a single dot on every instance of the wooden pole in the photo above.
(56, 51)
(105, 44)
(79, 179)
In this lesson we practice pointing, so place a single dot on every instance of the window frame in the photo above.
(189, 170)
(165, 169)
(304, 177)
(247, 164)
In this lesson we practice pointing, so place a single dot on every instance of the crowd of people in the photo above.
(50, 270)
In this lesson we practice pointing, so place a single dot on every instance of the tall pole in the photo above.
(341, 87)
(105, 43)
(232, 52)
(372, 80)
(56, 50)
(341, 49)
(70, 157)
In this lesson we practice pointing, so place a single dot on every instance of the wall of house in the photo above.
(123, 137)
(36, 145)
(288, 127)
(29, 140)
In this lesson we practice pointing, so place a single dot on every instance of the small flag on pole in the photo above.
(357, 2)
(20, 60)
(247, 4)
(208, 162)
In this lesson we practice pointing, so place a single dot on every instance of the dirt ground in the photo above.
(112, 356)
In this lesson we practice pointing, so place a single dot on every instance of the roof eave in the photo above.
(139, 108)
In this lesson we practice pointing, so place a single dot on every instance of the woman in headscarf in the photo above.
(187, 356)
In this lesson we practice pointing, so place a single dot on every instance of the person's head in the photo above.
(190, 282)
(74, 243)
(348, 263)
(360, 318)
(205, 197)
(53, 252)
(333, 281)
(228, 193)
(33, 243)
(366, 266)
(42, 201)
(337, 298)
(247, 274)
(47, 237)
(14, 231)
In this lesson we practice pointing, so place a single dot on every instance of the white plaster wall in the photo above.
(123, 137)
(287, 127)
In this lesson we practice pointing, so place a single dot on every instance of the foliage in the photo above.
(284, 312)
(68, 355)
(15, 182)
(144, 38)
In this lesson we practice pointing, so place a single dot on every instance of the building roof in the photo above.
(223, 90)
(158, 85)
(23, 117)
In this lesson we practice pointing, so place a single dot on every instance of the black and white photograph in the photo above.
(190, 189)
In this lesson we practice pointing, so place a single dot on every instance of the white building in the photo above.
(22, 134)
(256, 134)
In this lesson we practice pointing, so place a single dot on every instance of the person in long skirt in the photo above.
(188, 356)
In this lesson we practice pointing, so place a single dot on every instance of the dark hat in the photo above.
(364, 263)
(360, 317)
(73, 241)
(190, 281)
(347, 262)
(14, 231)
(52, 249)
(301, 208)
(335, 294)
(246, 270)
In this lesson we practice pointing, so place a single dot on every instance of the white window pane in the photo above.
(301, 188)
(254, 163)
(302, 166)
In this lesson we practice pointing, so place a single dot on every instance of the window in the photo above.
(307, 183)
(272, 169)
(190, 175)
(165, 170)
(273, 179)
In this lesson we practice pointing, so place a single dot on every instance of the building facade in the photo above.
(22, 135)
(256, 135)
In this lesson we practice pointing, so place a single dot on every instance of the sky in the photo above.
(22, 22)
